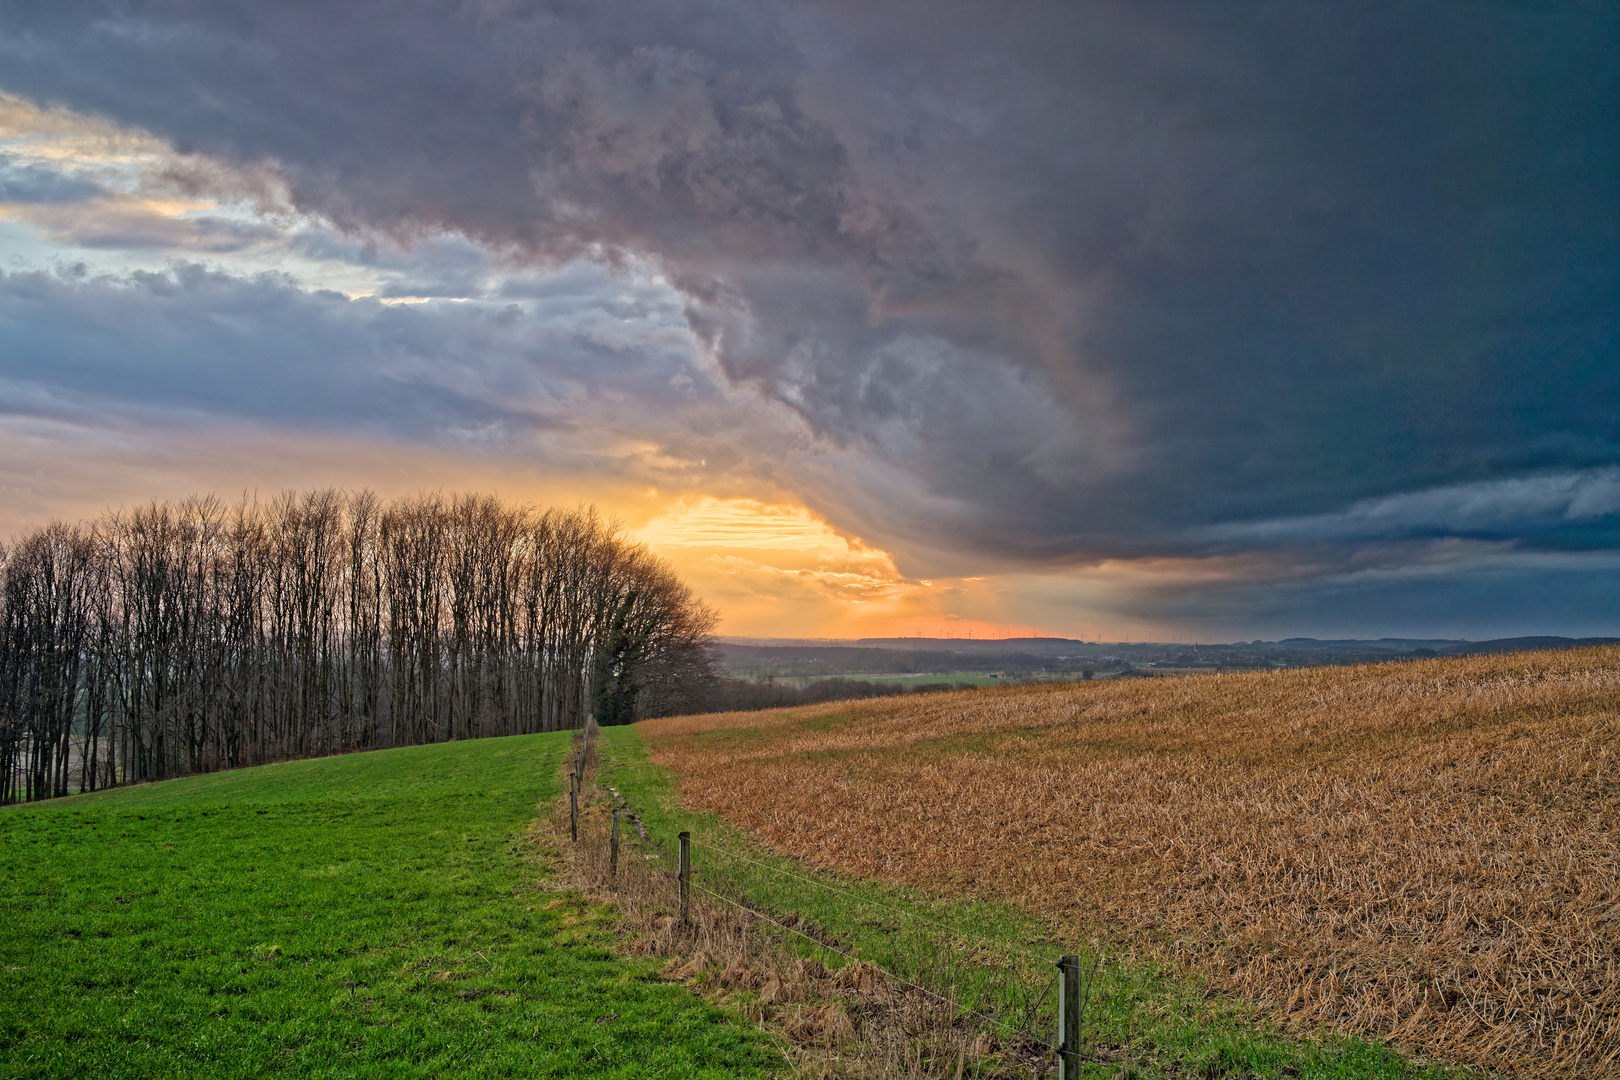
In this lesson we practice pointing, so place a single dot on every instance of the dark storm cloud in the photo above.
(1449, 591)
(1568, 510)
(1061, 281)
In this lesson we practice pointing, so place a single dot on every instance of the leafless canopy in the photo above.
(188, 637)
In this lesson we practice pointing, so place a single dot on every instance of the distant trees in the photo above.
(748, 695)
(192, 636)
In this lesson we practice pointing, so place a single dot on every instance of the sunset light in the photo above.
(747, 538)
(873, 395)
(776, 568)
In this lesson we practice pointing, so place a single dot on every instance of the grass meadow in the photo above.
(387, 914)
(1423, 853)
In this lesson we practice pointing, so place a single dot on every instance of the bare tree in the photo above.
(187, 637)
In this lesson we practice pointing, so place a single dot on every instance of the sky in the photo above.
(1194, 321)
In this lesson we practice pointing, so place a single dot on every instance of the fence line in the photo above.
(1008, 946)
(1023, 1032)
(1071, 1065)
(1015, 989)
(1032, 1005)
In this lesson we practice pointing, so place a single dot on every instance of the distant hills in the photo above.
(1523, 644)
(1056, 646)
(1026, 658)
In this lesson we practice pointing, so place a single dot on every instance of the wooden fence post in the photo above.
(686, 876)
(1069, 987)
(573, 814)
(613, 848)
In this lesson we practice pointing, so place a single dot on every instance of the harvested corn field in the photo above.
(1423, 851)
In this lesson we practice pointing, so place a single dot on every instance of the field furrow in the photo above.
(1424, 851)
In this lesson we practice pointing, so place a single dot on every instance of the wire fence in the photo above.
(1011, 998)
(1021, 995)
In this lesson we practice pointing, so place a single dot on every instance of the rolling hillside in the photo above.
(375, 915)
(1425, 852)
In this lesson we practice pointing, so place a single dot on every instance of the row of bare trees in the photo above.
(193, 636)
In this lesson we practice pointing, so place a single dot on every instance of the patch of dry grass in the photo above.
(848, 1019)
(1425, 851)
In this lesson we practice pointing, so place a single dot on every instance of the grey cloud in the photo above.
(1064, 281)
(36, 184)
(1567, 504)
(198, 346)
(438, 266)
(1476, 594)
(115, 227)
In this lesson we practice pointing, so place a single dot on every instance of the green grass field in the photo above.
(389, 915)
(373, 915)
(1138, 1013)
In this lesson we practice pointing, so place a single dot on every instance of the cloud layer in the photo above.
(1034, 287)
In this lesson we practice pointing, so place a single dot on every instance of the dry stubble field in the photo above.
(1423, 850)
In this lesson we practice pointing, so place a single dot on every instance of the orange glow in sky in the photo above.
(771, 569)
(769, 565)
(778, 570)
